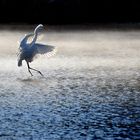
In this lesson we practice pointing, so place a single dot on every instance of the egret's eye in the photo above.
(41, 28)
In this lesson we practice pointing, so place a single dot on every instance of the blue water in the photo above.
(91, 88)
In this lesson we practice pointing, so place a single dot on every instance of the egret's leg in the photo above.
(37, 71)
(29, 68)
(33, 69)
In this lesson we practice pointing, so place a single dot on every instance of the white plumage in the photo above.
(27, 51)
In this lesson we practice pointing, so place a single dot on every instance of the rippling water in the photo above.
(91, 88)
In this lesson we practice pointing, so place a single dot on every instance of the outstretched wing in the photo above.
(45, 49)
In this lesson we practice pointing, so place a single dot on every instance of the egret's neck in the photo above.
(35, 38)
(36, 33)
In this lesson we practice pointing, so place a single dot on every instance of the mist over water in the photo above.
(91, 88)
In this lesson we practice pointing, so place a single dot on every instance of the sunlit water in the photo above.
(91, 88)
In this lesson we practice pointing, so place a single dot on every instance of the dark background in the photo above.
(69, 11)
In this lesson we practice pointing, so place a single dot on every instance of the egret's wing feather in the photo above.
(42, 49)
(45, 49)
(24, 41)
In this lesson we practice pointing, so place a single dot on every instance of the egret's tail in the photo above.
(20, 63)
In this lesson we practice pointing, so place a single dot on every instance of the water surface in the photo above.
(91, 88)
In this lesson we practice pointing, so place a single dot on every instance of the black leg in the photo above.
(37, 71)
(29, 68)
(33, 69)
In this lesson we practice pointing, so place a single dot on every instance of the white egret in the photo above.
(27, 51)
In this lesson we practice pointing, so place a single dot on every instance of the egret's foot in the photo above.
(40, 73)
(29, 68)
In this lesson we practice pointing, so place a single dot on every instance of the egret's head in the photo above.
(39, 28)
